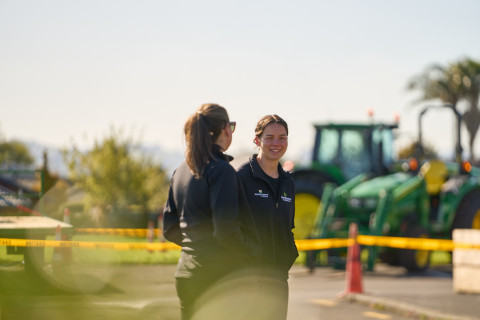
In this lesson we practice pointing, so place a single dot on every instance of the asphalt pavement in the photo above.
(148, 292)
(427, 295)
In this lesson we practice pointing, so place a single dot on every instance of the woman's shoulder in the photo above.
(219, 165)
(245, 167)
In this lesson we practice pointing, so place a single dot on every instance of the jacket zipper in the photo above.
(275, 216)
(275, 221)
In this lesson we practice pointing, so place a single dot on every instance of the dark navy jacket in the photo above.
(273, 213)
(202, 216)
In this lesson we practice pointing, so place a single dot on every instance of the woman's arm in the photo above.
(225, 210)
(171, 221)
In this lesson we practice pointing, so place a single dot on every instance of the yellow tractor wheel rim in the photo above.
(422, 256)
(306, 208)
(476, 220)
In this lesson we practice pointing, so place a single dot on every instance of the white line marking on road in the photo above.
(377, 315)
(138, 304)
(323, 302)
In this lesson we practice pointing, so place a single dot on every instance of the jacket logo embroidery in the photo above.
(285, 198)
(261, 194)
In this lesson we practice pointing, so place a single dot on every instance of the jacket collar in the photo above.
(217, 152)
(258, 171)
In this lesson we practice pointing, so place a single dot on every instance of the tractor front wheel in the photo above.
(411, 259)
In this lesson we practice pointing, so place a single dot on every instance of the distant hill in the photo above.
(169, 159)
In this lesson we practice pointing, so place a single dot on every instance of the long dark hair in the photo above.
(201, 130)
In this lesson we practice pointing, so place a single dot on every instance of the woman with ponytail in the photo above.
(202, 213)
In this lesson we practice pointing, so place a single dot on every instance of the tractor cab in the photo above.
(354, 149)
(340, 153)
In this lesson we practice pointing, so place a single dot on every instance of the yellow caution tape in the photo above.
(302, 245)
(392, 242)
(319, 244)
(408, 243)
(120, 232)
(92, 245)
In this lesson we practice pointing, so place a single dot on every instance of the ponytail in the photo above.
(202, 129)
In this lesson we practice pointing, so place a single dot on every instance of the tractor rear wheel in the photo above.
(411, 259)
(308, 198)
(468, 212)
(390, 256)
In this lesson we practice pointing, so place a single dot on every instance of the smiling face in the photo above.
(273, 142)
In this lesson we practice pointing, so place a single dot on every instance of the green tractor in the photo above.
(340, 152)
(429, 199)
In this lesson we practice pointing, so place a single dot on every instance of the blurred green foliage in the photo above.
(15, 153)
(117, 177)
(411, 151)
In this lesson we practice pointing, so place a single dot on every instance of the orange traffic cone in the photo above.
(353, 274)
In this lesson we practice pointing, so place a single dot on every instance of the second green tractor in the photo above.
(429, 199)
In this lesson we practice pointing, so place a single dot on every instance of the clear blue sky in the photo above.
(71, 69)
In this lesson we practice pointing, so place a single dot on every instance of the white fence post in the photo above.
(466, 262)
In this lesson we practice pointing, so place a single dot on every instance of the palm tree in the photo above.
(451, 84)
(469, 71)
(437, 82)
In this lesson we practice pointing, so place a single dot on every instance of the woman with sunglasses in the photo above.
(202, 214)
(270, 195)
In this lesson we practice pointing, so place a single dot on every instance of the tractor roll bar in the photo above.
(458, 147)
